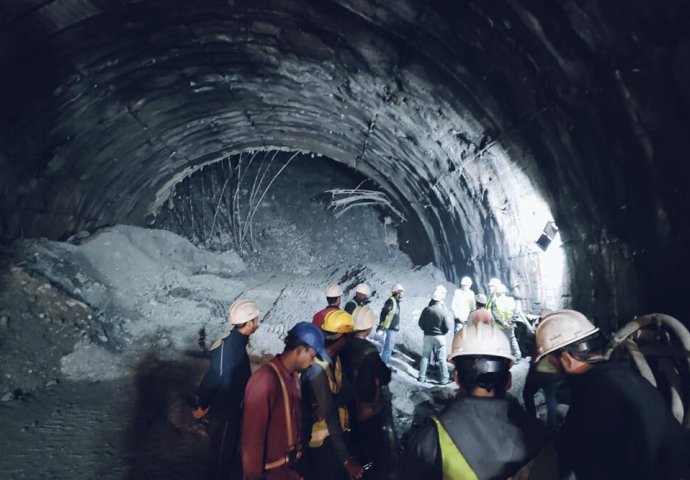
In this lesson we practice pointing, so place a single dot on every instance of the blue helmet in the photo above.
(311, 335)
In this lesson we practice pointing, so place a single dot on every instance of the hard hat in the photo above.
(363, 288)
(494, 282)
(311, 335)
(481, 339)
(439, 294)
(363, 318)
(481, 298)
(465, 282)
(561, 328)
(334, 291)
(338, 321)
(397, 288)
(242, 311)
(500, 288)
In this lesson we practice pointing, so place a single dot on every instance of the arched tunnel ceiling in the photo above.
(454, 108)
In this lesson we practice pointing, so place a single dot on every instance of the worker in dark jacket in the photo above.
(373, 438)
(481, 434)
(222, 390)
(618, 425)
(389, 322)
(434, 323)
(271, 435)
(327, 397)
(361, 298)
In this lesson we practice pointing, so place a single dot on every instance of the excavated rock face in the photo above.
(482, 120)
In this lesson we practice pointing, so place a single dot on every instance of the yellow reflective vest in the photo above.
(319, 429)
(453, 463)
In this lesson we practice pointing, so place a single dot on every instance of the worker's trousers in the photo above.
(434, 345)
(388, 344)
(224, 434)
(514, 346)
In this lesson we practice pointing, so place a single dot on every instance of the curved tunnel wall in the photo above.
(458, 104)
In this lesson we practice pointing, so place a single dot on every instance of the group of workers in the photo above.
(316, 410)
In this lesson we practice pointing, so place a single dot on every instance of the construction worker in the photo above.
(222, 390)
(272, 408)
(361, 298)
(503, 309)
(493, 285)
(389, 322)
(371, 434)
(334, 293)
(326, 397)
(618, 425)
(480, 314)
(481, 434)
(434, 323)
(463, 303)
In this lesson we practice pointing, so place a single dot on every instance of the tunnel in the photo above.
(475, 123)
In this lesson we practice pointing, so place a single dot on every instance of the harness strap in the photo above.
(288, 420)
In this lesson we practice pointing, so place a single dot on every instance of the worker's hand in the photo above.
(200, 413)
(354, 469)
(379, 332)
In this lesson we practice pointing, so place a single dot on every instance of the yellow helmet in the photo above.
(338, 321)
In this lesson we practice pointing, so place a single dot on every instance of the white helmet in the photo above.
(465, 282)
(440, 293)
(480, 298)
(363, 288)
(242, 311)
(397, 288)
(561, 328)
(494, 282)
(481, 339)
(363, 318)
(334, 291)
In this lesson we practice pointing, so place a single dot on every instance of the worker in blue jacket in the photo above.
(222, 390)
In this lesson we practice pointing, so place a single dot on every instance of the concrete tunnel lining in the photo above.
(136, 92)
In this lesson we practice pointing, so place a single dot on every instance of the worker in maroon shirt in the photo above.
(272, 408)
(334, 293)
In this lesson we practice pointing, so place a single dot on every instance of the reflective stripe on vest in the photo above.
(319, 429)
(389, 318)
(453, 464)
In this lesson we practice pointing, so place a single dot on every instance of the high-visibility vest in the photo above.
(319, 429)
(505, 307)
(453, 463)
(389, 318)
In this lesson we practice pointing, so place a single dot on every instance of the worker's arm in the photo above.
(211, 380)
(259, 398)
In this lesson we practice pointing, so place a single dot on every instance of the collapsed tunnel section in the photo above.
(485, 121)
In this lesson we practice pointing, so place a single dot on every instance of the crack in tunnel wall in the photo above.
(454, 109)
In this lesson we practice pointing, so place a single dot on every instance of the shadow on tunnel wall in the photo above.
(164, 441)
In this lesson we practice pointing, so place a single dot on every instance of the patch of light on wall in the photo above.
(540, 236)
